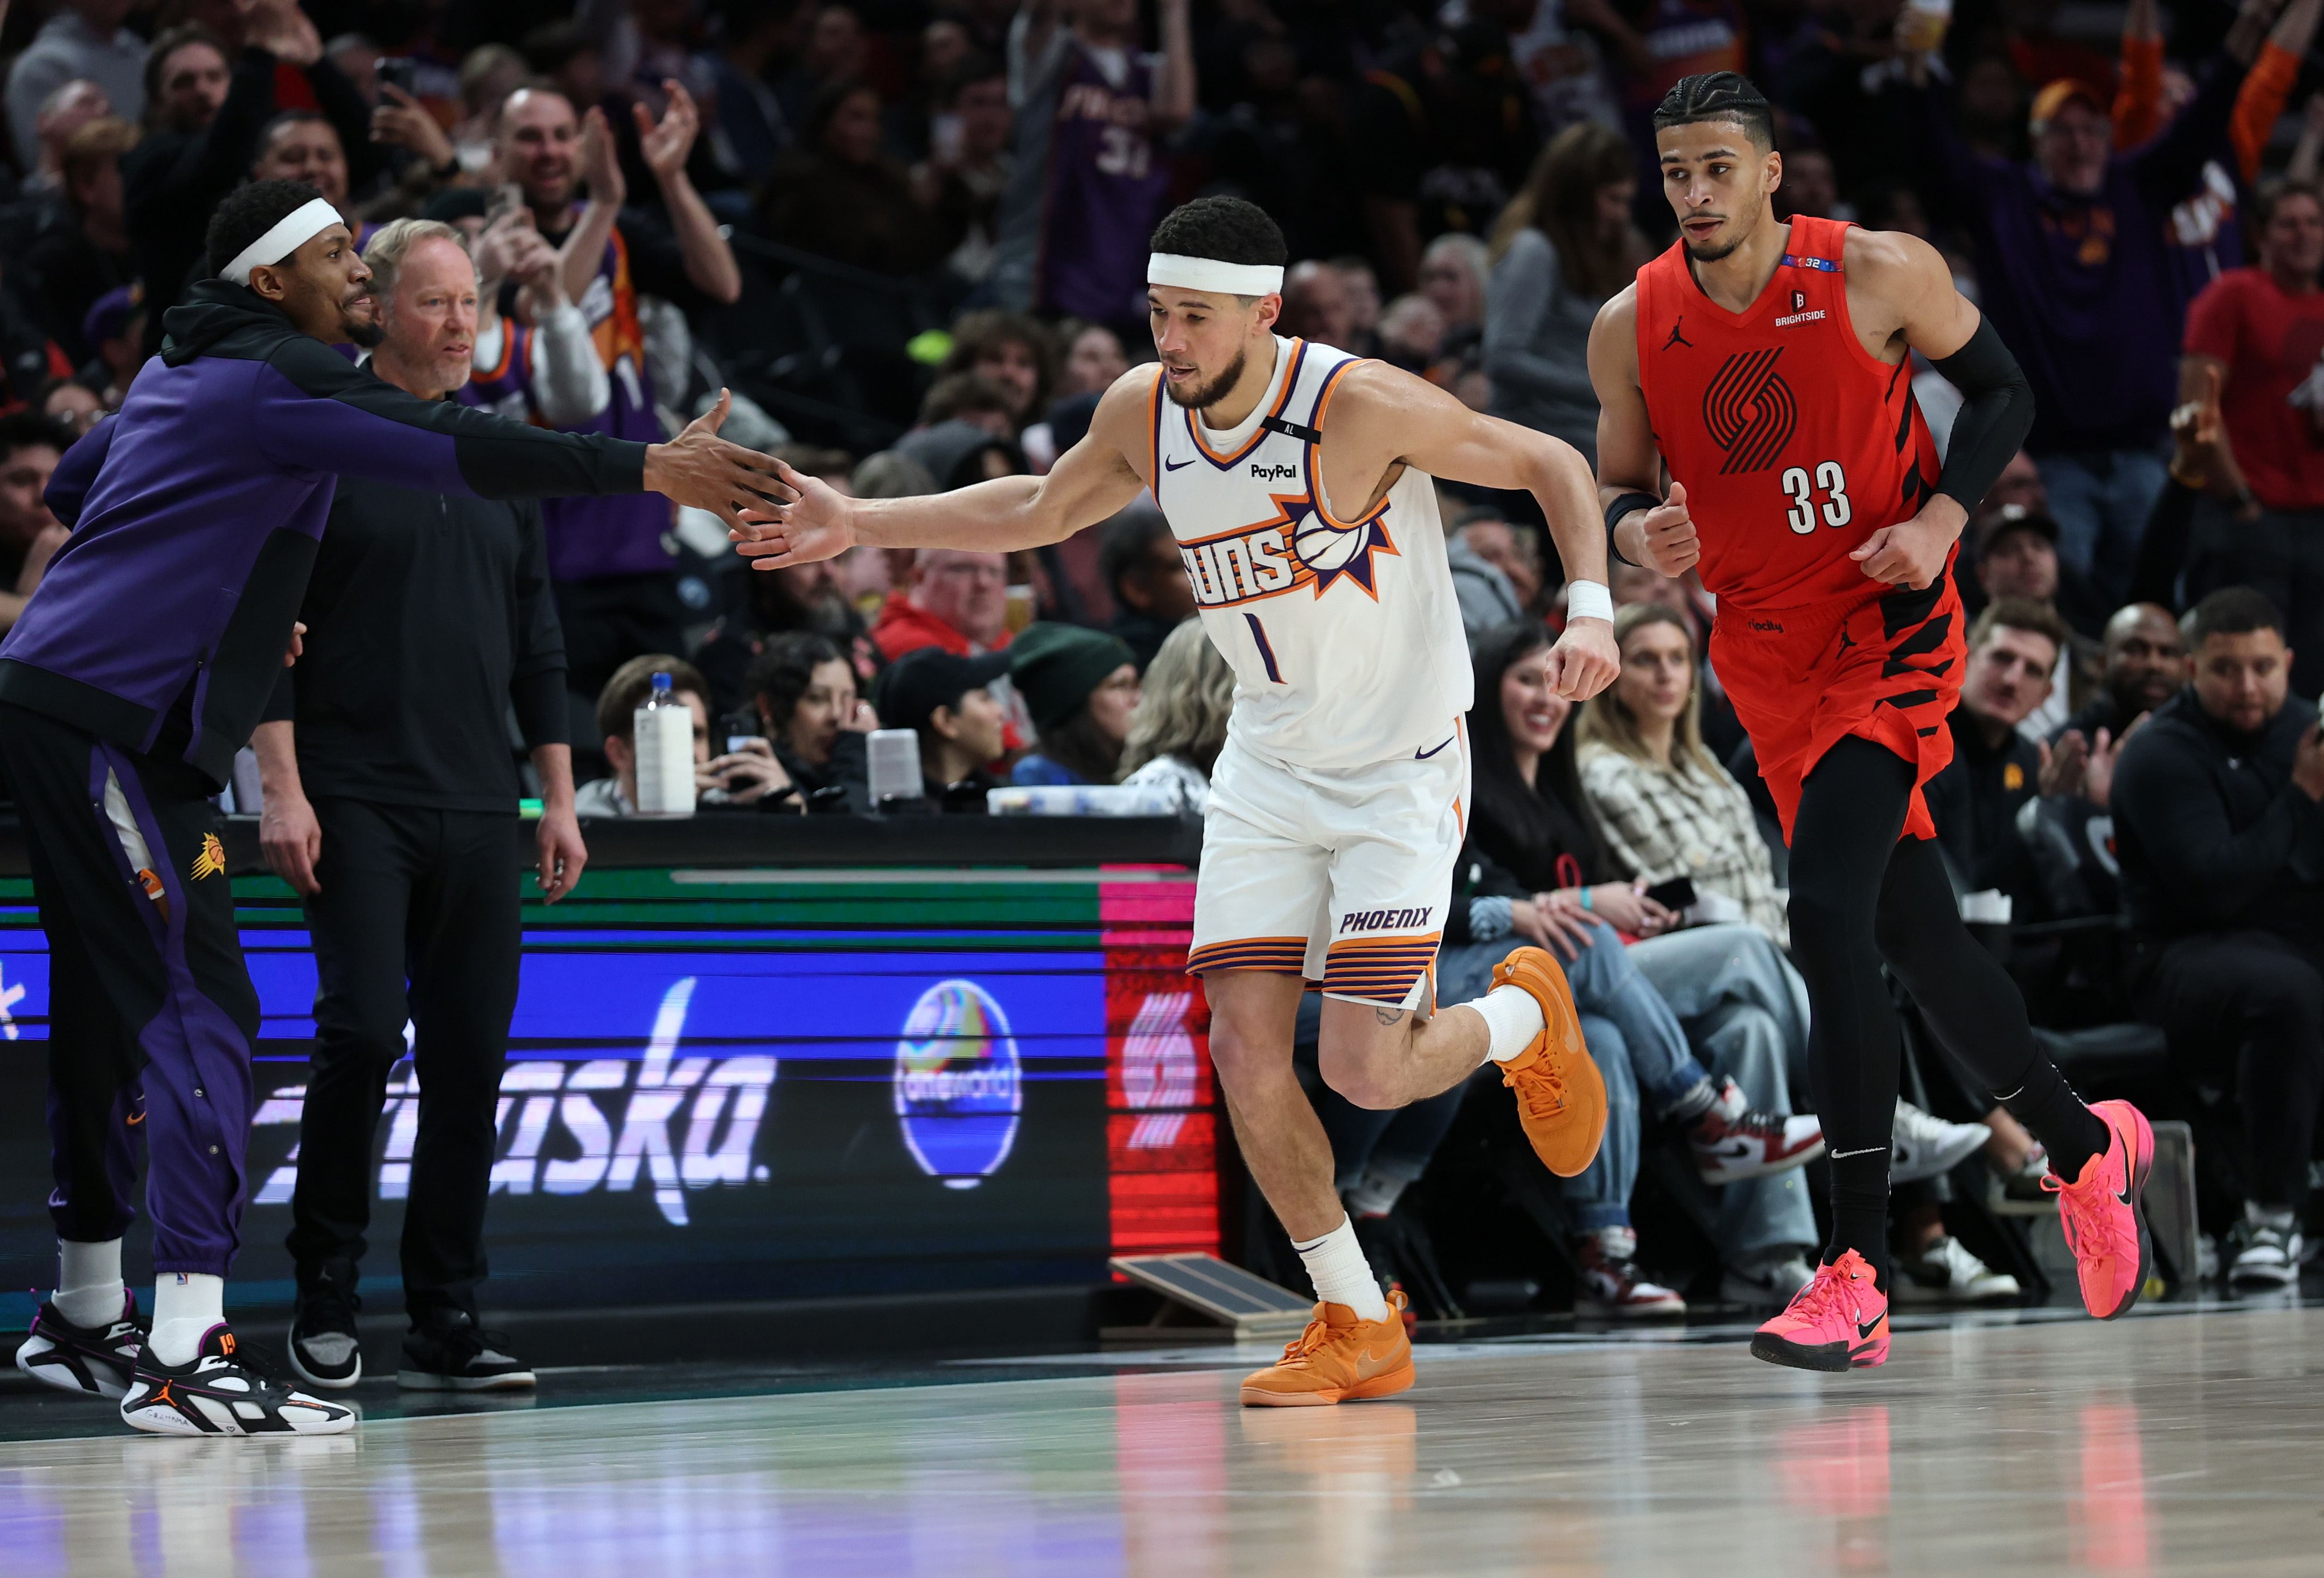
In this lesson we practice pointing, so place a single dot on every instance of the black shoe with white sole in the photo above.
(94, 1362)
(325, 1351)
(2264, 1251)
(452, 1354)
(224, 1391)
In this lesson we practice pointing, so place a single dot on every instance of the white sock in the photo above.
(89, 1282)
(1512, 1018)
(186, 1306)
(1336, 1265)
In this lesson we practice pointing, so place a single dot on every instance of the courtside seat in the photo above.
(2107, 1055)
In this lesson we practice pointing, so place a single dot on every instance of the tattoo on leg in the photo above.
(1389, 1016)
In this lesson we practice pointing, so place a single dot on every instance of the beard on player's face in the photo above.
(1203, 396)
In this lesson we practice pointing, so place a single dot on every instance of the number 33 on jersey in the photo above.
(1795, 444)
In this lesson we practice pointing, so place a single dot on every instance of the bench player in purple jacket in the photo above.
(134, 676)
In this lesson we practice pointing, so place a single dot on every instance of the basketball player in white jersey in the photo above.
(1298, 481)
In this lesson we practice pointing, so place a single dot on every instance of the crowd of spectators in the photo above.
(911, 238)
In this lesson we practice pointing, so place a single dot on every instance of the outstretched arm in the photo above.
(307, 402)
(1381, 410)
(1091, 481)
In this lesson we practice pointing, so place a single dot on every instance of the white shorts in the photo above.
(1339, 876)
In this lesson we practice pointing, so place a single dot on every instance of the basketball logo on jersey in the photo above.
(1748, 411)
(1298, 548)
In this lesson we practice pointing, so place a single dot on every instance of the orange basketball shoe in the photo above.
(1561, 1095)
(2099, 1212)
(1338, 1359)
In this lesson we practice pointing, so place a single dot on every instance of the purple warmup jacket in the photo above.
(194, 514)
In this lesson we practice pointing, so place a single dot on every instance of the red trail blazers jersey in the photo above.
(1794, 443)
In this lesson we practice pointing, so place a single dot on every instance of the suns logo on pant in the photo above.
(1298, 548)
(211, 860)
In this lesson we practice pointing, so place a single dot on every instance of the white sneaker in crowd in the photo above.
(2263, 1250)
(1945, 1273)
(1924, 1146)
(1766, 1284)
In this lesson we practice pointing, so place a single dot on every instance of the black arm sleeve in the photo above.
(2162, 550)
(282, 705)
(537, 682)
(323, 407)
(1997, 414)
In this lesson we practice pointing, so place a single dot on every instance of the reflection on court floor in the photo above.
(2182, 1442)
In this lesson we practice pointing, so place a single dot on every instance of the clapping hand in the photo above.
(664, 144)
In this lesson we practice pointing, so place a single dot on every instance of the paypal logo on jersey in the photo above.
(1284, 473)
(959, 1083)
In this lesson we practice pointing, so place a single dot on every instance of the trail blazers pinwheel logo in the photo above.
(211, 860)
(1749, 411)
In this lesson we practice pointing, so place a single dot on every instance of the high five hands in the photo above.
(808, 521)
(705, 470)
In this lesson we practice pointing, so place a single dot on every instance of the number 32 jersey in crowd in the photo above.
(1795, 444)
(1342, 629)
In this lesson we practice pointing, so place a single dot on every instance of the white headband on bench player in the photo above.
(289, 234)
(1206, 273)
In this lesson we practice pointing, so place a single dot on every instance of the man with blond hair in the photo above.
(393, 821)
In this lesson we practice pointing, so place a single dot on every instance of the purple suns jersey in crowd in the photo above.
(195, 509)
(1090, 185)
(590, 538)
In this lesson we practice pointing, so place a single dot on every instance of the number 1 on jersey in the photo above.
(1828, 476)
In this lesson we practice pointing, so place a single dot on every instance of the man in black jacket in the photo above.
(390, 806)
(2222, 848)
(2143, 664)
(2013, 653)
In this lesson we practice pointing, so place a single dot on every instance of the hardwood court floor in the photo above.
(2175, 1440)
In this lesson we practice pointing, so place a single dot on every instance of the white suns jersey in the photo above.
(1343, 631)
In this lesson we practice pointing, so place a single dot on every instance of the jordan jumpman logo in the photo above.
(1677, 338)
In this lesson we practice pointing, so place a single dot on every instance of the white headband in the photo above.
(290, 232)
(1204, 274)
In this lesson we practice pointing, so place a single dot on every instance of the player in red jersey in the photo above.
(1762, 365)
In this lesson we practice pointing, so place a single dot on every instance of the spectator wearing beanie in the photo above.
(1081, 687)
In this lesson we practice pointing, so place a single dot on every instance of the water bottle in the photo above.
(663, 731)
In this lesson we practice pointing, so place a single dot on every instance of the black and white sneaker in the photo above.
(2264, 1249)
(94, 1362)
(325, 1351)
(225, 1391)
(452, 1354)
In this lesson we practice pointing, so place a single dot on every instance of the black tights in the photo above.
(1862, 895)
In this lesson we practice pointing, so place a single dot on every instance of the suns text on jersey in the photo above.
(1247, 563)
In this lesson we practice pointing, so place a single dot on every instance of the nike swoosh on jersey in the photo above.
(1175, 465)
(1425, 755)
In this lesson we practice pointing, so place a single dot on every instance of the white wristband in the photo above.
(1589, 600)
